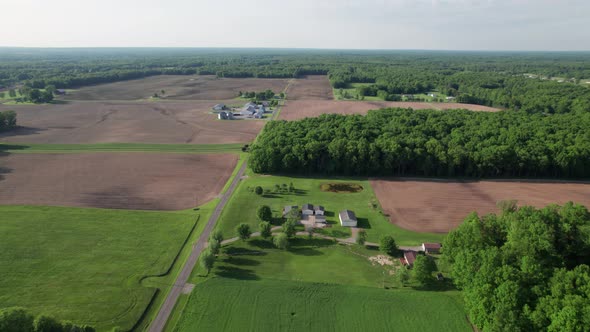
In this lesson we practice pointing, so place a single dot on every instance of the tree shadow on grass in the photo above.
(262, 244)
(271, 196)
(236, 273)
(241, 261)
(239, 251)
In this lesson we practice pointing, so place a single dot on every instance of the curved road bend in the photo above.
(160, 321)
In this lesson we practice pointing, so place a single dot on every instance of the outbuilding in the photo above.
(431, 248)
(347, 218)
(307, 209)
(409, 257)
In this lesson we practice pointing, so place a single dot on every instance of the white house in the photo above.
(431, 248)
(307, 209)
(347, 218)
(433, 95)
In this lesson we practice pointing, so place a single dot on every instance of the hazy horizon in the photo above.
(424, 25)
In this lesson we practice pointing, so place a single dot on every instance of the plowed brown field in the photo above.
(147, 181)
(314, 87)
(299, 109)
(127, 122)
(440, 206)
(177, 87)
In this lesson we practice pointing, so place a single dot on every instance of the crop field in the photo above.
(243, 204)
(440, 206)
(316, 87)
(175, 87)
(127, 122)
(142, 181)
(299, 109)
(314, 286)
(87, 265)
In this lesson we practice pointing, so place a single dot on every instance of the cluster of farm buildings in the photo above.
(315, 215)
(249, 110)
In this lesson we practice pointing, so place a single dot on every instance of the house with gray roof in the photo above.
(307, 209)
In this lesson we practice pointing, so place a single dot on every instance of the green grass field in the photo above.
(350, 93)
(87, 265)
(243, 204)
(317, 285)
(121, 147)
(276, 305)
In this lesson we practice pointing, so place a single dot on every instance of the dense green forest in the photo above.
(404, 142)
(524, 270)
(486, 78)
(7, 120)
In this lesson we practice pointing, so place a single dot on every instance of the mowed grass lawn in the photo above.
(243, 204)
(315, 286)
(86, 265)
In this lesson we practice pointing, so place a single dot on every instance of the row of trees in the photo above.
(524, 270)
(7, 120)
(405, 142)
(20, 320)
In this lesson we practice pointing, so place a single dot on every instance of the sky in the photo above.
(341, 24)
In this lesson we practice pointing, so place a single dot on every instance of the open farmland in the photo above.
(299, 109)
(122, 122)
(440, 206)
(87, 265)
(314, 87)
(177, 87)
(143, 181)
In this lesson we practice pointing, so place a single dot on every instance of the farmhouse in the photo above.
(347, 218)
(433, 95)
(409, 257)
(219, 107)
(431, 248)
(307, 209)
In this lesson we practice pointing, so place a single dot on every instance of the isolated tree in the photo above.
(282, 95)
(284, 187)
(155, 95)
(281, 241)
(291, 187)
(258, 190)
(361, 237)
(277, 188)
(16, 320)
(51, 89)
(423, 269)
(289, 228)
(243, 231)
(265, 229)
(44, 323)
(264, 213)
(217, 235)
(163, 92)
(214, 246)
(2, 94)
(207, 260)
(388, 245)
(12, 93)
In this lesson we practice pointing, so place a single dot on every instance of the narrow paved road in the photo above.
(166, 309)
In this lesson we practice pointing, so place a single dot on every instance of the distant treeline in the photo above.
(7, 120)
(493, 79)
(405, 142)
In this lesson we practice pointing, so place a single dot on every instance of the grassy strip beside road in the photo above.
(121, 147)
(86, 265)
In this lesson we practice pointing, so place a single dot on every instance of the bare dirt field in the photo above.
(316, 87)
(299, 109)
(440, 206)
(177, 88)
(127, 122)
(144, 181)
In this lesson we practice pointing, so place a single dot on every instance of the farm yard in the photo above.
(440, 206)
(192, 87)
(299, 109)
(315, 87)
(243, 204)
(126, 122)
(87, 265)
(142, 181)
